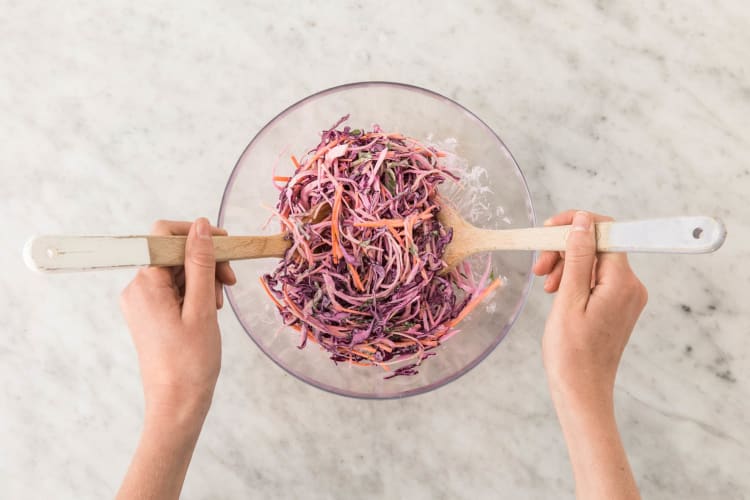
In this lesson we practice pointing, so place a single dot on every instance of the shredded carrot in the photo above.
(405, 343)
(373, 361)
(385, 347)
(335, 215)
(396, 235)
(475, 302)
(283, 218)
(357, 363)
(281, 178)
(381, 223)
(348, 350)
(310, 335)
(268, 291)
(355, 277)
(296, 163)
(427, 214)
(354, 311)
(319, 154)
(366, 348)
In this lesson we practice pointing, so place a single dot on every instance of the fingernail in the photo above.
(203, 229)
(581, 222)
(548, 222)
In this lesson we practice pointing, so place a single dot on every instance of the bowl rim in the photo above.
(476, 361)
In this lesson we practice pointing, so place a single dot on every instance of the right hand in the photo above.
(171, 314)
(598, 302)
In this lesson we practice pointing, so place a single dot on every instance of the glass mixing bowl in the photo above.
(415, 112)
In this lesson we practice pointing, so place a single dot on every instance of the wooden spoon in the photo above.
(669, 235)
(84, 253)
(80, 253)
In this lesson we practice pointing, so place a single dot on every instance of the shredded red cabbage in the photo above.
(364, 282)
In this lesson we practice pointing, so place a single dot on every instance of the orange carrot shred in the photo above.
(366, 348)
(475, 302)
(404, 343)
(354, 311)
(427, 214)
(335, 215)
(355, 277)
(381, 223)
(319, 154)
(396, 235)
(268, 291)
(424, 274)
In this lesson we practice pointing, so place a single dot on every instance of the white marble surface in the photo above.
(114, 114)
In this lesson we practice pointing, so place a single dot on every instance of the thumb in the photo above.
(200, 271)
(580, 254)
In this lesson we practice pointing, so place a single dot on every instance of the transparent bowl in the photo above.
(424, 115)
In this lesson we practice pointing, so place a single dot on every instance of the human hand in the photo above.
(171, 314)
(597, 305)
(598, 301)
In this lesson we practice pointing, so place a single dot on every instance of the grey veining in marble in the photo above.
(113, 114)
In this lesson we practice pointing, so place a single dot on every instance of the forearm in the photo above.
(164, 451)
(600, 465)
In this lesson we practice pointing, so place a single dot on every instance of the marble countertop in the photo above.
(114, 115)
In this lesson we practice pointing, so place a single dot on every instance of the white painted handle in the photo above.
(669, 235)
(83, 253)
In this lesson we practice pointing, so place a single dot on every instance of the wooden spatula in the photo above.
(669, 235)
